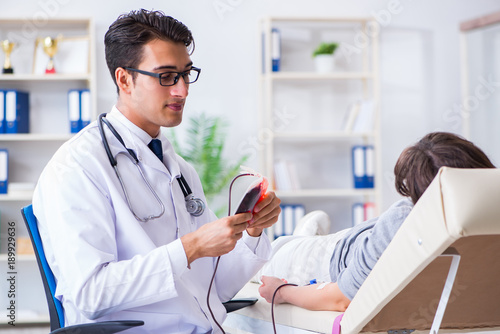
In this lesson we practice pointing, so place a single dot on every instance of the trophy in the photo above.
(7, 47)
(49, 46)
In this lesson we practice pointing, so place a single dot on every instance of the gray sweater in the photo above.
(357, 252)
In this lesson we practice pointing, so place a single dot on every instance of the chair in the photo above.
(56, 311)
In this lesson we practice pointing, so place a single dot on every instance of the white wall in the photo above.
(420, 79)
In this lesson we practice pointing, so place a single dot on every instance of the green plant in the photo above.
(325, 48)
(203, 150)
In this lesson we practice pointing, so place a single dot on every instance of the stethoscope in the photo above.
(194, 206)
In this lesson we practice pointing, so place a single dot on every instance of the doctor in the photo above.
(145, 258)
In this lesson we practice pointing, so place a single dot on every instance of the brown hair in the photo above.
(126, 37)
(418, 164)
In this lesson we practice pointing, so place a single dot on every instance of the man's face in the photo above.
(153, 105)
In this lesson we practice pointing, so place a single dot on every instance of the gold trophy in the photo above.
(49, 46)
(7, 47)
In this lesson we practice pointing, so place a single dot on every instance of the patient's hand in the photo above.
(269, 286)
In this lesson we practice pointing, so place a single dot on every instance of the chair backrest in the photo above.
(56, 310)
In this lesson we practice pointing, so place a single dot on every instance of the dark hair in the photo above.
(418, 164)
(126, 37)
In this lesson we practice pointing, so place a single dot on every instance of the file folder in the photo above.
(358, 166)
(358, 213)
(74, 110)
(369, 167)
(17, 111)
(2, 111)
(363, 166)
(276, 49)
(85, 108)
(4, 171)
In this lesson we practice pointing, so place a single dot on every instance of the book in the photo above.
(286, 176)
(365, 118)
(351, 115)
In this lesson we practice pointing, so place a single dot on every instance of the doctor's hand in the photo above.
(215, 238)
(265, 214)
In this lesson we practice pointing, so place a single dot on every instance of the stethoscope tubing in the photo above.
(199, 206)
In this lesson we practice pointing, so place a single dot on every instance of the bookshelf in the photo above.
(303, 112)
(49, 129)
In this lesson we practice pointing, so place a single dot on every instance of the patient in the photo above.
(345, 259)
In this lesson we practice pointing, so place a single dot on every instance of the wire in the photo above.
(272, 303)
(218, 258)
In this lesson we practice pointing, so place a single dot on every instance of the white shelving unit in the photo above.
(49, 128)
(479, 45)
(314, 105)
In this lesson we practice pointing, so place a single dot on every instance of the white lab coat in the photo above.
(110, 266)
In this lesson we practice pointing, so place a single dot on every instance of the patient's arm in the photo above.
(329, 298)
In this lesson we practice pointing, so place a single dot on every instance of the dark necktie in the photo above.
(155, 146)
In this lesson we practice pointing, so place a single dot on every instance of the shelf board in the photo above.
(317, 76)
(321, 136)
(45, 77)
(318, 19)
(325, 193)
(14, 196)
(19, 258)
(35, 137)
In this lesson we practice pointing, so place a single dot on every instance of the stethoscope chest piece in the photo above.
(194, 206)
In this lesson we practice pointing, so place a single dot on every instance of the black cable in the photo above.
(272, 303)
(218, 258)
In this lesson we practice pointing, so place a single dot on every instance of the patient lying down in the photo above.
(343, 260)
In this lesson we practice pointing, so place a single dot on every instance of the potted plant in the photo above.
(203, 150)
(323, 56)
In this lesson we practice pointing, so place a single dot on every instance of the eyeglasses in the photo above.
(171, 78)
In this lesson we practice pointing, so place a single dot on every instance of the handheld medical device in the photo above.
(194, 206)
(254, 194)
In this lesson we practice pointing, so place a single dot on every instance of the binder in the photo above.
(74, 110)
(17, 111)
(358, 166)
(2, 112)
(288, 219)
(79, 109)
(276, 49)
(363, 166)
(369, 166)
(85, 108)
(4, 171)
(358, 213)
(278, 226)
(369, 210)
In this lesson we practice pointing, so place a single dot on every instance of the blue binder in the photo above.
(358, 166)
(17, 111)
(4, 171)
(275, 49)
(85, 108)
(2, 111)
(363, 168)
(74, 110)
(369, 167)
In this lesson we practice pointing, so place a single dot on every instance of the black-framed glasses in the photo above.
(171, 78)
